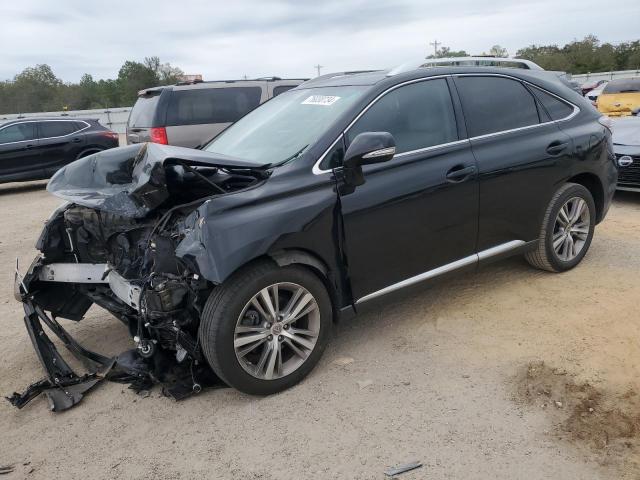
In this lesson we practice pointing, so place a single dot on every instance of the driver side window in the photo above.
(418, 115)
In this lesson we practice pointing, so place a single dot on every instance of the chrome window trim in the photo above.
(45, 138)
(449, 267)
(318, 171)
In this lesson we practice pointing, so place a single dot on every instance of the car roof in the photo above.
(217, 83)
(390, 76)
(4, 122)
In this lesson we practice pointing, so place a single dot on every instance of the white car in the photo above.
(593, 94)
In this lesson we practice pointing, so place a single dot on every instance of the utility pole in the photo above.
(435, 44)
(318, 67)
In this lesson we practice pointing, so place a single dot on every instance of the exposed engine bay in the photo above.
(114, 244)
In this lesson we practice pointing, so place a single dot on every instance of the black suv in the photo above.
(311, 207)
(35, 148)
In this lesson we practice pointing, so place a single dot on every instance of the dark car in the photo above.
(35, 148)
(626, 146)
(190, 114)
(322, 201)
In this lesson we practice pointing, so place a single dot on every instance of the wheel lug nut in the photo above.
(286, 327)
(280, 337)
(270, 337)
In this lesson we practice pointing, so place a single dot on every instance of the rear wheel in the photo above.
(264, 329)
(567, 230)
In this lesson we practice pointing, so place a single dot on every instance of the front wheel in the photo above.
(567, 230)
(265, 328)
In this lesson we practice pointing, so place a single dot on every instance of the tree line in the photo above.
(37, 89)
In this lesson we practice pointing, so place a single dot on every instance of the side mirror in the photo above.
(365, 149)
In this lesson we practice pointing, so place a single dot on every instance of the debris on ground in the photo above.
(606, 423)
(406, 467)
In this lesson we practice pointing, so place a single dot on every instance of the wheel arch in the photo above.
(592, 183)
(89, 151)
(294, 256)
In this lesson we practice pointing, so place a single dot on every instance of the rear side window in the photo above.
(631, 85)
(19, 132)
(556, 108)
(495, 104)
(211, 105)
(418, 115)
(143, 111)
(56, 129)
(281, 89)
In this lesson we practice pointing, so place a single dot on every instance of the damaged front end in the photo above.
(114, 244)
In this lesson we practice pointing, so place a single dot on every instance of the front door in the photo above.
(19, 155)
(417, 213)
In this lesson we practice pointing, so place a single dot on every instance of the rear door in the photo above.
(198, 113)
(521, 156)
(19, 154)
(417, 214)
(60, 142)
(143, 115)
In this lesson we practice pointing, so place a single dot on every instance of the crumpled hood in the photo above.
(130, 181)
(626, 131)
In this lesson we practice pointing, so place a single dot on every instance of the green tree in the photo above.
(133, 77)
(446, 52)
(498, 51)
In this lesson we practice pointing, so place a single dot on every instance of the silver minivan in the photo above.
(192, 113)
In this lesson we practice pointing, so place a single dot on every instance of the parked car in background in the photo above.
(593, 95)
(191, 113)
(587, 87)
(626, 145)
(241, 255)
(620, 97)
(35, 148)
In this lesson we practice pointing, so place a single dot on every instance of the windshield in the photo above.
(623, 86)
(283, 128)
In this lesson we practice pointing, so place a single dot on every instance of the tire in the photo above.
(221, 328)
(546, 256)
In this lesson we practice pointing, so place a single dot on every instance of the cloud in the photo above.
(285, 37)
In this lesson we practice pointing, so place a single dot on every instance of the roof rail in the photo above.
(478, 61)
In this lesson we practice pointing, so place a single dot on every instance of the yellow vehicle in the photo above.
(620, 97)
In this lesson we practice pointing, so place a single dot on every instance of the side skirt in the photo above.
(493, 253)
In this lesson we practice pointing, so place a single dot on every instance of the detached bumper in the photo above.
(63, 387)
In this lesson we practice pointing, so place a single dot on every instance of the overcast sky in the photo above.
(233, 38)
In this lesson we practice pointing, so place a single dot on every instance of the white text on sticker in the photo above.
(325, 100)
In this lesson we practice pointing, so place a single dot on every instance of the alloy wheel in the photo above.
(571, 229)
(277, 331)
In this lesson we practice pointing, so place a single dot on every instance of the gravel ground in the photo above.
(433, 374)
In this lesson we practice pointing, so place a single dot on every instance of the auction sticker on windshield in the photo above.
(325, 100)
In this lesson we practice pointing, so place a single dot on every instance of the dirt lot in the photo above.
(505, 374)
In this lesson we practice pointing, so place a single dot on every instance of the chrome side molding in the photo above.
(449, 267)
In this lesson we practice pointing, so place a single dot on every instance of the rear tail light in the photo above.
(606, 122)
(158, 135)
(110, 134)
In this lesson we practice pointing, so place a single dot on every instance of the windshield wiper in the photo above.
(292, 157)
